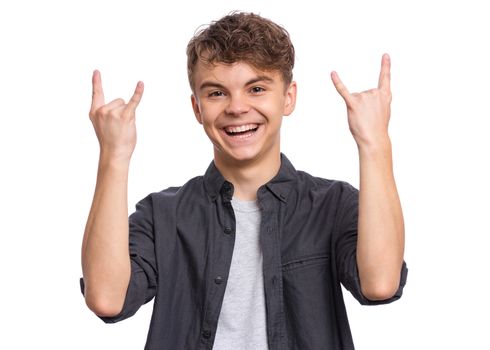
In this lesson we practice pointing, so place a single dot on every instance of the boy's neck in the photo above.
(247, 177)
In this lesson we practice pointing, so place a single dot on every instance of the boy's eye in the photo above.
(256, 89)
(216, 93)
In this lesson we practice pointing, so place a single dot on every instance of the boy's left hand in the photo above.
(368, 111)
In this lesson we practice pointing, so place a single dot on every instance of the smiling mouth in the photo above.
(241, 130)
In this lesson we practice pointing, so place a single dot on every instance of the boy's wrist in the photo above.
(114, 161)
(381, 145)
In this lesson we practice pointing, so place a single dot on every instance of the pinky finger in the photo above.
(136, 98)
(339, 86)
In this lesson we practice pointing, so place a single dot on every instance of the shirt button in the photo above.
(206, 334)
(228, 230)
(227, 188)
(218, 280)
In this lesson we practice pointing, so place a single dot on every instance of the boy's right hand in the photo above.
(114, 122)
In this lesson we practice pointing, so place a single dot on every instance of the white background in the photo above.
(49, 152)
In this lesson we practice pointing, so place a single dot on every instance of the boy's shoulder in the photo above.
(193, 185)
(312, 182)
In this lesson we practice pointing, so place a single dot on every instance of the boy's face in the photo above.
(241, 110)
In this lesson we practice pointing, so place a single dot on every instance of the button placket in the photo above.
(220, 266)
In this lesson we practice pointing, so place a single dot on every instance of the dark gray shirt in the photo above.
(181, 245)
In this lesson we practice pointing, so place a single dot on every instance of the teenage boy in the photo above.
(251, 255)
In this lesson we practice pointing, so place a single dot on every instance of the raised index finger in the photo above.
(97, 92)
(385, 75)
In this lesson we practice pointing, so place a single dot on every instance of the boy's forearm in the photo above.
(380, 228)
(105, 248)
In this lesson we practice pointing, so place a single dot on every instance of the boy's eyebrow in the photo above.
(264, 78)
(212, 84)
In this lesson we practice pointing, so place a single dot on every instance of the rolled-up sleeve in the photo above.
(346, 247)
(143, 281)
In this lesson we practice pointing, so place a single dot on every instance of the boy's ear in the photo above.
(196, 108)
(290, 103)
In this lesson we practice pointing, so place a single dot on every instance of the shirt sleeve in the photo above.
(143, 280)
(346, 247)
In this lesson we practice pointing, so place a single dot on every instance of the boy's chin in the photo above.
(243, 156)
(237, 156)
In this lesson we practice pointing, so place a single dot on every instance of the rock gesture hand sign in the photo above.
(368, 111)
(114, 122)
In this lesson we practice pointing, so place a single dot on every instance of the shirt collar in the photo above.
(280, 185)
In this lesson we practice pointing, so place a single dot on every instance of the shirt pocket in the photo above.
(309, 302)
(306, 261)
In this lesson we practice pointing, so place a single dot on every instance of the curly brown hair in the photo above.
(246, 37)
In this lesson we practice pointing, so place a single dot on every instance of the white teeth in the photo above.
(241, 128)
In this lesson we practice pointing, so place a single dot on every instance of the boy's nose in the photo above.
(237, 105)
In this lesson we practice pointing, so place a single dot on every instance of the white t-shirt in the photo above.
(242, 320)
